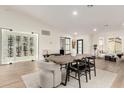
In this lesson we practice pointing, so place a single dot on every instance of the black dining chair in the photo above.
(90, 61)
(80, 68)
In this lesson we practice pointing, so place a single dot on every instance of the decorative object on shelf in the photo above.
(18, 46)
(10, 45)
(31, 46)
(25, 46)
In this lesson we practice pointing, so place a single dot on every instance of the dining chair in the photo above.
(80, 68)
(90, 61)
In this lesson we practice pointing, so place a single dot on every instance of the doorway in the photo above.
(80, 46)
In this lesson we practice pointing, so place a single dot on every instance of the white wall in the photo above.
(106, 35)
(86, 43)
(87, 40)
(24, 23)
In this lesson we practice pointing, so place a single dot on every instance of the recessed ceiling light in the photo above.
(75, 33)
(122, 24)
(94, 29)
(75, 13)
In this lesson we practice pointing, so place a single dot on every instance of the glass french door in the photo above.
(80, 46)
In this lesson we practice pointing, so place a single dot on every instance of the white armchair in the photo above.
(50, 75)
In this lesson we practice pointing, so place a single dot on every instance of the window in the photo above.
(65, 44)
(101, 45)
(115, 45)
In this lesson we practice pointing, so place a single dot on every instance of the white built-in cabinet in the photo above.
(17, 46)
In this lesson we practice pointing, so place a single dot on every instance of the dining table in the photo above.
(67, 60)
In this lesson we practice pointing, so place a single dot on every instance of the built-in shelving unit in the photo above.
(17, 46)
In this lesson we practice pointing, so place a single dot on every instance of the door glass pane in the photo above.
(79, 52)
(80, 47)
(79, 42)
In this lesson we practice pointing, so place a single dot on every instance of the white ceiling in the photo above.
(87, 19)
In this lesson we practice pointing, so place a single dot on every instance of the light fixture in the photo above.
(75, 13)
(75, 33)
(122, 24)
(89, 6)
(94, 29)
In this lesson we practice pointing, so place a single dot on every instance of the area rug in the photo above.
(104, 79)
(32, 80)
